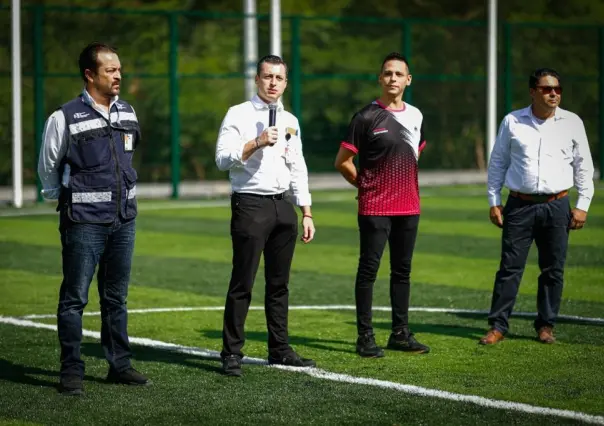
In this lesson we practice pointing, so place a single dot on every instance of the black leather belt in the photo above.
(269, 196)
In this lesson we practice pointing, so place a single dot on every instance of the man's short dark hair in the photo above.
(542, 72)
(395, 56)
(270, 59)
(89, 57)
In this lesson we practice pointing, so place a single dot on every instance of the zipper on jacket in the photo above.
(117, 170)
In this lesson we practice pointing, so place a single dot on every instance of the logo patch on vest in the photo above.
(379, 131)
(81, 115)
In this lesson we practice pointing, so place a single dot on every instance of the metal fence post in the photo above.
(508, 77)
(296, 62)
(601, 106)
(174, 113)
(407, 38)
(39, 109)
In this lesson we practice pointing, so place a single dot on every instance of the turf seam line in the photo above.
(592, 320)
(185, 204)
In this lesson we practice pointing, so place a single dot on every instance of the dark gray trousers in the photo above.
(524, 222)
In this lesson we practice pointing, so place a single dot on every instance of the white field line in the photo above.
(330, 308)
(343, 378)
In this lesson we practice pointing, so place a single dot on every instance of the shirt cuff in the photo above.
(494, 200)
(51, 193)
(583, 203)
(302, 199)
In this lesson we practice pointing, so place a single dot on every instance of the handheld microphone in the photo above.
(272, 115)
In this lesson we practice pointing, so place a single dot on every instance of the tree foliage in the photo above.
(339, 59)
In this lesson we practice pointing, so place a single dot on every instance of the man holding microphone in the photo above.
(259, 143)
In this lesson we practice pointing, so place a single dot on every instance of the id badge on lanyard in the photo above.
(128, 142)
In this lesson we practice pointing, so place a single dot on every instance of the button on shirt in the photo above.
(54, 148)
(270, 169)
(534, 156)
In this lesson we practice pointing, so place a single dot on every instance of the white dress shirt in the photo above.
(270, 169)
(534, 156)
(54, 148)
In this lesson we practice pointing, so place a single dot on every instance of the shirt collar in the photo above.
(90, 101)
(259, 104)
(559, 114)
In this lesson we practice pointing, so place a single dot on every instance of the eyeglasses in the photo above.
(548, 89)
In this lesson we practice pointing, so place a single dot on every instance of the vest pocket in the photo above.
(92, 152)
(92, 198)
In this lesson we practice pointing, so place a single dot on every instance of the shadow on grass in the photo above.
(168, 356)
(322, 344)
(443, 329)
(23, 374)
(567, 335)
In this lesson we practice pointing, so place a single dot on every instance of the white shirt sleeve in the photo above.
(54, 148)
(229, 148)
(583, 167)
(499, 163)
(299, 174)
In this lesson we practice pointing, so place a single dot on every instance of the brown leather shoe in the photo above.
(493, 336)
(546, 334)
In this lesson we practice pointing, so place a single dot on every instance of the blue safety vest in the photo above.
(102, 184)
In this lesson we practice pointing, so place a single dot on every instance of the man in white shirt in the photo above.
(264, 162)
(541, 151)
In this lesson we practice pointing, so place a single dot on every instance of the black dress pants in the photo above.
(260, 224)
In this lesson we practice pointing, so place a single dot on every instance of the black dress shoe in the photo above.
(231, 365)
(292, 360)
(406, 342)
(127, 377)
(71, 385)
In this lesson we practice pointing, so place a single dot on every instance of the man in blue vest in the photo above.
(86, 163)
